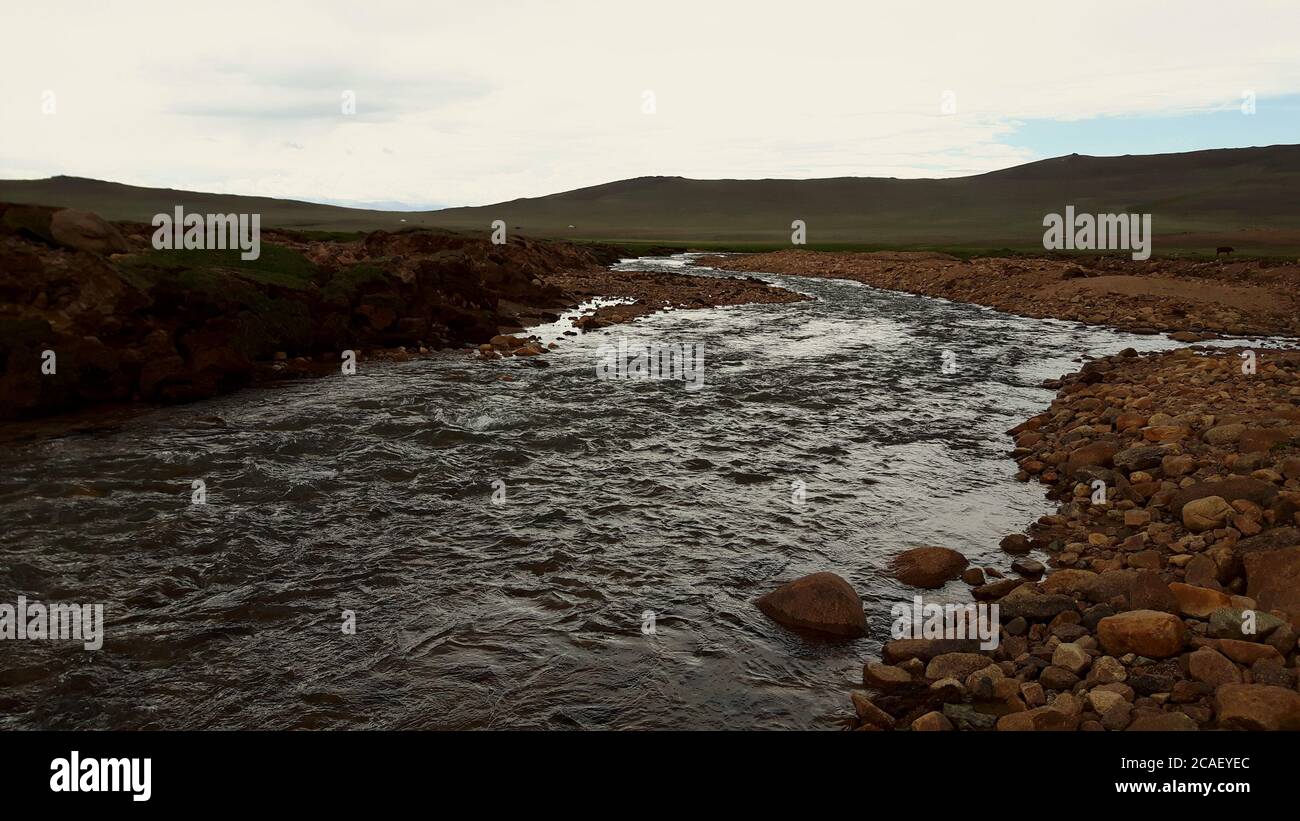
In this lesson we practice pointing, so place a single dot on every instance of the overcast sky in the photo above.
(470, 103)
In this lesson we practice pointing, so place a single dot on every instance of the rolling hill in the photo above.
(1243, 196)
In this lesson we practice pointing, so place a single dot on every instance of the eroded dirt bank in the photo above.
(92, 314)
(1173, 597)
(1193, 299)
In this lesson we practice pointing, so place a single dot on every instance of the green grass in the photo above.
(345, 283)
(276, 265)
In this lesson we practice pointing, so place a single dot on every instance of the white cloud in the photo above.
(471, 103)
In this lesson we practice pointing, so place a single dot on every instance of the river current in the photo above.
(505, 545)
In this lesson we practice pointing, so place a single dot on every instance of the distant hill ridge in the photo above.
(1246, 195)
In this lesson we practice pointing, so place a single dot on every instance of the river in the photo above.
(374, 493)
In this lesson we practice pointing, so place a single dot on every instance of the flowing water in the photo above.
(500, 543)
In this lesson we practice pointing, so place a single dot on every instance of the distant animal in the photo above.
(1223, 249)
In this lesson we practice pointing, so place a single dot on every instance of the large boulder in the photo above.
(84, 231)
(928, 566)
(821, 601)
(1149, 633)
(1273, 581)
(1257, 707)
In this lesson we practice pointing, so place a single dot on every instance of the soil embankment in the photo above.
(91, 313)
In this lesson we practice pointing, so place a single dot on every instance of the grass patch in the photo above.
(342, 288)
(276, 265)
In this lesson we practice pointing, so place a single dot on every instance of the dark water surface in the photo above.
(373, 493)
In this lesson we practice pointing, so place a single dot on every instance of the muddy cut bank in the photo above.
(92, 314)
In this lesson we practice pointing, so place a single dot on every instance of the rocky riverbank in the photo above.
(1173, 597)
(1188, 299)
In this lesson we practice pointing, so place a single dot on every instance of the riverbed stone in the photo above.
(869, 713)
(1246, 652)
(1273, 580)
(1149, 633)
(928, 567)
(823, 602)
(1072, 657)
(1231, 623)
(1206, 513)
(1197, 602)
(885, 676)
(1212, 668)
(900, 650)
(1257, 707)
(933, 721)
(1230, 490)
(956, 665)
(1032, 605)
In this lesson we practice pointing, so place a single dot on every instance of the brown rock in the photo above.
(1148, 633)
(1028, 603)
(885, 677)
(1162, 722)
(1206, 513)
(1257, 707)
(1150, 592)
(1068, 581)
(996, 590)
(1016, 543)
(1111, 584)
(1029, 568)
(1198, 602)
(928, 567)
(821, 601)
(1223, 434)
(870, 713)
(901, 650)
(1256, 440)
(932, 721)
(1201, 571)
(1039, 718)
(1261, 493)
(1246, 652)
(1212, 668)
(1273, 580)
(1143, 457)
(955, 665)
(1095, 454)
